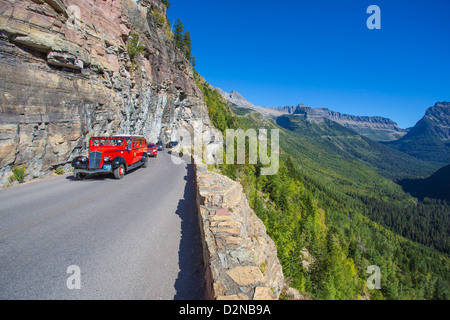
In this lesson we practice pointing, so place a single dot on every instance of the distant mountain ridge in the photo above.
(428, 140)
(377, 128)
(330, 139)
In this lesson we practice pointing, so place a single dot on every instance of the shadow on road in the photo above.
(100, 176)
(190, 284)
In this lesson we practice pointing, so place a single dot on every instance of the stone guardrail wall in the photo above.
(240, 259)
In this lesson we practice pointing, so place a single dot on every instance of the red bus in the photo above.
(116, 155)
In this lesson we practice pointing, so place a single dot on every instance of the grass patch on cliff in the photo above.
(158, 18)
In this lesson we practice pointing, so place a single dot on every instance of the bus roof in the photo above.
(129, 136)
(121, 136)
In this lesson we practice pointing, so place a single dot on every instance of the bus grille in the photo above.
(95, 158)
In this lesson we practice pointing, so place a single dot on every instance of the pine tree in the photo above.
(183, 41)
(179, 34)
(134, 46)
(187, 47)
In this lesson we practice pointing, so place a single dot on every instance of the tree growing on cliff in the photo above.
(134, 46)
(187, 48)
(183, 41)
(179, 33)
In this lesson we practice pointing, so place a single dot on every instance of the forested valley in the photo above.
(332, 215)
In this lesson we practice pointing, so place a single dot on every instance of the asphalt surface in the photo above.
(102, 238)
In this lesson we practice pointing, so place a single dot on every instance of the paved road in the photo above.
(135, 238)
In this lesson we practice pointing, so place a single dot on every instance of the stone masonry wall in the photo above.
(240, 258)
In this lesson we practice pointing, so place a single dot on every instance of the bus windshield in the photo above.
(107, 142)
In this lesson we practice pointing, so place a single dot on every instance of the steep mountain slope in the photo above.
(437, 186)
(344, 176)
(429, 139)
(330, 137)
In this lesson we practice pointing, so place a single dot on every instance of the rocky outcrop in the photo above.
(67, 75)
(240, 258)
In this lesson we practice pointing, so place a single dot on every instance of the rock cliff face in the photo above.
(67, 74)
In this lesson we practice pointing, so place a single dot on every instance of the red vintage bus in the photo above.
(116, 155)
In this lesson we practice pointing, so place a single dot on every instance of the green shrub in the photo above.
(59, 171)
(18, 173)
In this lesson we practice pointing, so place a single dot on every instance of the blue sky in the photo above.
(321, 53)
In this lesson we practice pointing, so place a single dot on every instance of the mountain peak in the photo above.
(437, 118)
(429, 139)
(236, 94)
(235, 99)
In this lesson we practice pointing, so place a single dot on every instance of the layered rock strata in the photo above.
(377, 128)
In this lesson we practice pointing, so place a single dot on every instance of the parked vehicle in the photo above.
(152, 150)
(116, 155)
(160, 146)
(171, 144)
